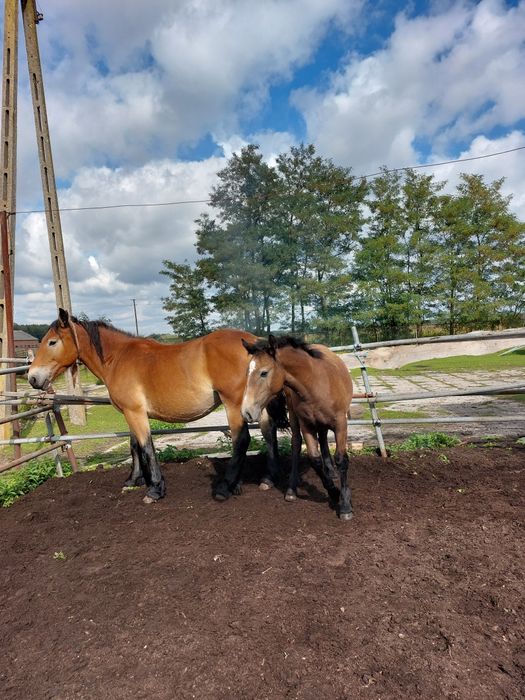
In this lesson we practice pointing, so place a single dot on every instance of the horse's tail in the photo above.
(277, 411)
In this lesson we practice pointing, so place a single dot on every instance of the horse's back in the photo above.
(336, 371)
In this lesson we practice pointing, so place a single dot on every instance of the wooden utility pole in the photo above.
(8, 186)
(31, 18)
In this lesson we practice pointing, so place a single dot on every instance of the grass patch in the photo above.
(460, 363)
(425, 441)
(20, 481)
(385, 413)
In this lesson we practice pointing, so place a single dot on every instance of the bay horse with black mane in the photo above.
(147, 379)
(318, 390)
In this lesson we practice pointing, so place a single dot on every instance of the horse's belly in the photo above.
(183, 406)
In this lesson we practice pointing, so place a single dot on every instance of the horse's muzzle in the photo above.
(37, 379)
(250, 415)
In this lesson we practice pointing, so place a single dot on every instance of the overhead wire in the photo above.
(207, 201)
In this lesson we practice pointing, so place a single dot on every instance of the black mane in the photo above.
(92, 328)
(263, 345)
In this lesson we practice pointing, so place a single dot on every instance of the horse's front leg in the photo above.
(269, 432)
(136, 477)
(240, 442)
(139, 426)
(342, 462)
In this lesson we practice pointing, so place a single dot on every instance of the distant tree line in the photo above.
(306, 247)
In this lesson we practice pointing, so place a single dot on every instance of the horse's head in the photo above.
(58, 350)
(265, 378)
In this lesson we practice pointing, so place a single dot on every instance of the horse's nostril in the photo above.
(248, 416)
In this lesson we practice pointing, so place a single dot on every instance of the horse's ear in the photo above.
(249, 347)
(63, 317)
(272, 342)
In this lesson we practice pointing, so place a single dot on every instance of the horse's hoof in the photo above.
(149, 499)
(134, 483)
(222, 492)
(346, 516)
(265, 485)
(290, 496)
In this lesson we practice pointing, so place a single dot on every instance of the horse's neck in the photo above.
(88, 353)
(298, 373)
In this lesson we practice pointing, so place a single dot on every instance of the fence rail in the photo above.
(50, 403)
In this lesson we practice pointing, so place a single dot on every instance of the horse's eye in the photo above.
(51, 343)
(264, 373)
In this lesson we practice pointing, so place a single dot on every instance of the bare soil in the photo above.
(420, 595)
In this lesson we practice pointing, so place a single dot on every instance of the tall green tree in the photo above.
(379, 266)
(237, 249)
(420, 206)
(320, 215)
(188, 306)
(480, 243)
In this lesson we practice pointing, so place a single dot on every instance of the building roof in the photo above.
(22, 335)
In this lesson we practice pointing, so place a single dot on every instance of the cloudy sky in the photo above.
(147, 99)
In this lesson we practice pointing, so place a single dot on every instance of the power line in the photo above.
(207, 201)
(444, 162)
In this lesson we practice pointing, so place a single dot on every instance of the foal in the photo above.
(318, 390)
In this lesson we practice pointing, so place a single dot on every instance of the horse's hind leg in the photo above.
(240, 442)
(320, 467)
(136, 477)
(297, 440)
(342, 462)
(325, 453)
(139, 425)
(269, 432)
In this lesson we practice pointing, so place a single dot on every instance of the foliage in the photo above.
(425, 441)
(304, 245)
(22, 480)
(37, 330)
(187, 306)
(164, 425)
(170, 453)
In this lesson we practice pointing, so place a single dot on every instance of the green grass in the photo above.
(425, 441)
(20, 481)
(385, 413)
(99, 419)
(460, 363)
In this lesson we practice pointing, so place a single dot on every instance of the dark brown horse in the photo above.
(145, 378)
(318, 390)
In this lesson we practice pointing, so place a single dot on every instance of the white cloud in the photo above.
(128, 80)
(509, 166)
(114, 255)
(443, 77)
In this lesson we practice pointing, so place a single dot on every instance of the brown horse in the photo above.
(318, 390)
(145, 378)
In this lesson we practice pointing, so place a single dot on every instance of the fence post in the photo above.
(376, 421)
(63, 431)
(58, 462)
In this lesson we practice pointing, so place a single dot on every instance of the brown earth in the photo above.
(420, 595)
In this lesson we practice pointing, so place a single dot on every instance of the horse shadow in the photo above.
(254, 469)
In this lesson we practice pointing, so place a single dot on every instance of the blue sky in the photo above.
(147, 100)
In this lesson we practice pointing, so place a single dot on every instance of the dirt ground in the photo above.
(420, 595)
